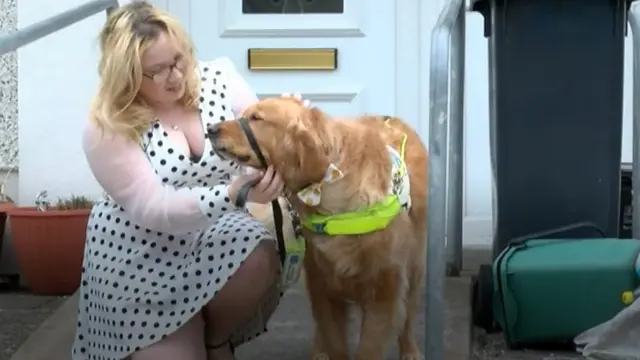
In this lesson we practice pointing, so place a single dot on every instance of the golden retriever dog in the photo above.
(381, 271)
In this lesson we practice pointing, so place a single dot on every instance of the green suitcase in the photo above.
(550, 291)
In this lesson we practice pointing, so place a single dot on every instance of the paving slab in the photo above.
(20, 315)
(24, 301)
(290, 331)
(288, 338)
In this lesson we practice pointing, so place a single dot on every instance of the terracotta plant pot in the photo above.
(49, 246)
(4, 207)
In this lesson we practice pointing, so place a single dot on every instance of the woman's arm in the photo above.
(124, 172)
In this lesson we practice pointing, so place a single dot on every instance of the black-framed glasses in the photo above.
(161, 76)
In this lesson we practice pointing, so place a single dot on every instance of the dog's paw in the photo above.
(413, 356)
(320, 356)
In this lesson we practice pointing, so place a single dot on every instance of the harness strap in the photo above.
(244, 124)
(243, 192)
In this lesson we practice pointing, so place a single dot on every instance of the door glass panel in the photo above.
(292, 6)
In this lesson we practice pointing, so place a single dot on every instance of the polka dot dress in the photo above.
(140, 285)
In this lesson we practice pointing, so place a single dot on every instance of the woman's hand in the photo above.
(268, 187)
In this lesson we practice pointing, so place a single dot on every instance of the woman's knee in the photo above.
(262, 262)
(186, 343)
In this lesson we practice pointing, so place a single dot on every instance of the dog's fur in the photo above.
(381, 272)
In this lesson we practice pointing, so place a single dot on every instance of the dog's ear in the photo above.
(307, 147)
(314, 162)
(319, 162)
(316, 117)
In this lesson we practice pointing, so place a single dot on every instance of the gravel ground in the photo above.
(20, 315)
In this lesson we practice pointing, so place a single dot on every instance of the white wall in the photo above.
(478, 194)
(57, 78)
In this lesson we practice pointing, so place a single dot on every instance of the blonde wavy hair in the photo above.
(127, 34)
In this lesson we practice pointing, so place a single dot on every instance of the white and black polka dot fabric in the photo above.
(138, 284)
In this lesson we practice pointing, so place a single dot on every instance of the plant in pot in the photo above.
(6, 203)
(49, 243)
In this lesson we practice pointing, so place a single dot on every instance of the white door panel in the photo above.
(364, 35)
(380, 51)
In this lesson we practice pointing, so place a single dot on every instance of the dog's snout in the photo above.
(213, 130)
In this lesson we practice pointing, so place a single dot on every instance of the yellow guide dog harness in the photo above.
(373, 218)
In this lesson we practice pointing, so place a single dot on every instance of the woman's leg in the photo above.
(187, 343)
(240, 297)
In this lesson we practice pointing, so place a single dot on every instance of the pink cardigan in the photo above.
(124, 172)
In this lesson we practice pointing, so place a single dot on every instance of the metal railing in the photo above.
(50, 25)
(446, 123)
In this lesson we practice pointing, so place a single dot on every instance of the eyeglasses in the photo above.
(161, 76)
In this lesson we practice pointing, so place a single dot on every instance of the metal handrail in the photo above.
(634, 23)
(445, 166)
(50, 25)
(455, 181)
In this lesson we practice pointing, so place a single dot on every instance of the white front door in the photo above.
(376, 42)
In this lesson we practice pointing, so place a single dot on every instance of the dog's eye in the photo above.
(255, 117)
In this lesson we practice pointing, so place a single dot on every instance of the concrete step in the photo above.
(289, 336)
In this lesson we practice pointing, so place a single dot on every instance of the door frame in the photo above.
(412, 40)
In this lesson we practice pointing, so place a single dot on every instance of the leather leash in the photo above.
(243, 192)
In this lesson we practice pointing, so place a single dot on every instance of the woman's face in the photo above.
(163, 69)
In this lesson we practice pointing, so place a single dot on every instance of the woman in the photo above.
(172, 268)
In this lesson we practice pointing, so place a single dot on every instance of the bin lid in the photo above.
(472, 3)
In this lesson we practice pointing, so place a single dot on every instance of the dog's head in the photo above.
(291, 137)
